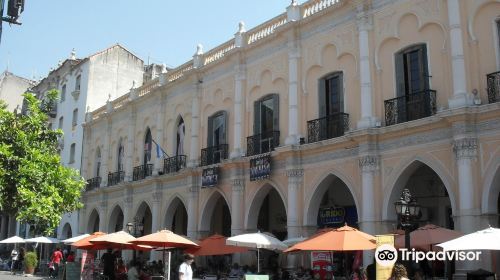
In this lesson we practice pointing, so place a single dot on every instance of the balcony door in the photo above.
(266, 114)
(147, 147)
(121, 154)
(217, 129)
(331, 95)
(98, 163)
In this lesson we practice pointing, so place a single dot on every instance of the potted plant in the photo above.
(30, 262)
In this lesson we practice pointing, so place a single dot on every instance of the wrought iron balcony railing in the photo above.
(174, 164)
(93, 183)
(142, 171)
(264, 142)
(115, 178)
(327, 127)
(214, 154)
(493, 83)
(410, 107)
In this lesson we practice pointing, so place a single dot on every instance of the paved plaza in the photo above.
(5, 275)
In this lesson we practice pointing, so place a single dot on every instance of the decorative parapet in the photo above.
(120, 101)
(180, 71)
(148, 87)
(266, 29)
(312, 7)
(465, 148)
(219, 52)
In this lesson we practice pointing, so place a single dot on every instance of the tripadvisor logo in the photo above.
(387, 255)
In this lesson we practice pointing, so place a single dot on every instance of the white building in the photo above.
(12, 88)
(85, 84)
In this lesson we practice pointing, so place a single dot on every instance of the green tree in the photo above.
(34, 185)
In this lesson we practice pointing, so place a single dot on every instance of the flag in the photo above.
(159, 150)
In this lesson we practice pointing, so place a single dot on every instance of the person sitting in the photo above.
(120, 271)
(133, 271)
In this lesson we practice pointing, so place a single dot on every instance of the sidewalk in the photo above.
(5, 275)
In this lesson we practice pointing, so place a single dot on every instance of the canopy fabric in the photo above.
(43, 239)
(215, 245)
(256, 240)
(12, 240)
(75, 238)
(118, 240)
(486, 239)
(85, 244)
(426, 236)
(165, 239)
(344, 238)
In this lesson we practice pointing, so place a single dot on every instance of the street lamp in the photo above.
(135, 228)
(408, 211)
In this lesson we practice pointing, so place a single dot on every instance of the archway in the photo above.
(216, 217)
(116, 220)
(93, 223)
(66, 232)
(176, 217)
(271, 212)
(144, 217)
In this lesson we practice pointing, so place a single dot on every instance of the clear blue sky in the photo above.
(167, 31)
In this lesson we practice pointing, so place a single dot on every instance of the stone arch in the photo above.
(208, 209)
(67, 231)
(319, 187)
(116, 219)
(402, 17)
(394, 186)
(173, 205)
(93, 221)
(144, 215)
(491, 188)
(256, 200)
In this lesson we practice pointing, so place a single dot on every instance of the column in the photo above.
(239, 82)
(460, 96)
(364, 22)
(369, 165)
(160, 119)
(467, 221)
(105, 153)
(192, 210)
(293, 91)
(129, 148)
(195, 126)
(128, 216)
(155, 215)
(294, 184)
(237, 206)
(103, 214)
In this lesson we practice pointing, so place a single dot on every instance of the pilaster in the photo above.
(293, 89)
(193, 195)
(129, 150)
(369, 165)
(239, 89)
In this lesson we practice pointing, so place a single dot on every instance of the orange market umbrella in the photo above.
(344, 238)
(424, 237)
(165, 239)
(118, 240)
(215, 245)
(84, 244)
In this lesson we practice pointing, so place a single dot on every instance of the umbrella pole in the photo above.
(258, 260)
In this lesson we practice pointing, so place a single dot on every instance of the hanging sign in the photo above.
(210, 177)
(332, 215)
(260, 167)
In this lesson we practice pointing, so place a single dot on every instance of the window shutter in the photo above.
(224, 131)
(276, 112)
(425, 70)
(400, 75)
(322, 98)
(340, 91)
(210, 130)
(256, 117)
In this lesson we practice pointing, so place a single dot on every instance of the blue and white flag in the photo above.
(159, 151)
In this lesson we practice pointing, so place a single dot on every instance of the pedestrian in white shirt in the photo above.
(185, 271)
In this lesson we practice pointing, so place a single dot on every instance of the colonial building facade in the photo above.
(318, 117)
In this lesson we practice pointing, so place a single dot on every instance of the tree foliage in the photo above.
(34, 185)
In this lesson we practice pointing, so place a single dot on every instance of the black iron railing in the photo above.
(261, 143)
(142, 171)
(214, 154)
(327, 127)
(116, 178)
(174, 164)
(493, 83)
(410, 107)
(93, 183)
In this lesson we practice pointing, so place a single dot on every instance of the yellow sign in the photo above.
(384, 272)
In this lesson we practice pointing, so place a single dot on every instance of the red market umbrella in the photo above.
(118, 240)
(84, 244)
(215, 245)
(425, 237)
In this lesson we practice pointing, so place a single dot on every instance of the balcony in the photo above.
(327, 127)
(142, 171)
(93, 184)
(115, 178)
(493, 83)
(214, 154)
(174, 164)
(262, 143)
(410, 107)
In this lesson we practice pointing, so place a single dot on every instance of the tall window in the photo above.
(98, 163)
(331, 94)
(121, 154)
(148, 141)
(63, 93)
(266, 114)
(411, 70)
(78, 82)
(217, 129)
(72, 153)
(61, 122)
(75, 118)
(181, 132)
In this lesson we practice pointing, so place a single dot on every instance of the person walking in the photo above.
(14, 256)
(108, 261)
(185, 271)
(56, 261)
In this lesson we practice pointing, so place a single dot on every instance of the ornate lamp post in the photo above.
(135, 228)
(408, 211)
